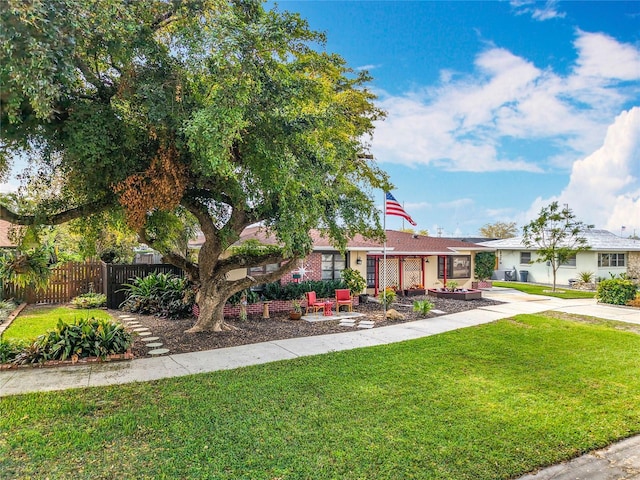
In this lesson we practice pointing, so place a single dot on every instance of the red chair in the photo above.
(343, 297)
(313, 303)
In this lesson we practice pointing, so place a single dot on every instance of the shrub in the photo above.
(586, 277)
(89, 300)
(252, 297)
(635, 302)
(616, 291)
(10, 349)
(87, 337)
(163, 294)
(422, 306)
(354, 280)
(388, 296)
(484, 263)
(291, 291)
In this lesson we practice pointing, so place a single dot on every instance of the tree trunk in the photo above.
(211, 302)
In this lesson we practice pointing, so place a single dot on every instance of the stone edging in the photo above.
(12, 317)
(115, 357)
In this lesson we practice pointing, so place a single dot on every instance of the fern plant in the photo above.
(27, 269)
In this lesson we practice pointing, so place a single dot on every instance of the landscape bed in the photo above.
(465, 295)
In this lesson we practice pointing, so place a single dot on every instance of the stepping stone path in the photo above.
(355, 323)
(158, 351)
(366, 324)
(145, 334)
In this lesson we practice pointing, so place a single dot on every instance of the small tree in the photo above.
(499, 230)
(557, 235)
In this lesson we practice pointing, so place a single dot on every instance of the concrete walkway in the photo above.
(620, 461)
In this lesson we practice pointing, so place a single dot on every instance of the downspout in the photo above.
(444, 259)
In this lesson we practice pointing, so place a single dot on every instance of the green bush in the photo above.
(616, 291)
(89, 300)
(252, 297)
(354, 280)
(10, 349)
(422, 306)
(484, 265)
(388, 296)
(87, 337)
(163, 294)
(292, 291)
(586, 277)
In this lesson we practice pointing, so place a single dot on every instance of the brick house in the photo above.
(411, 260)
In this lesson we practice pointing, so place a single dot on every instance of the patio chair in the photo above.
(343, 298)
(313, 303)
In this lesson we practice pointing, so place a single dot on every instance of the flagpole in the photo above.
(384, 257)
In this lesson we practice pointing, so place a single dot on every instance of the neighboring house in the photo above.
(608, 255)
(411, 260)
(5, 242)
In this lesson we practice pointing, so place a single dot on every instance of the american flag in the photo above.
(394, 208)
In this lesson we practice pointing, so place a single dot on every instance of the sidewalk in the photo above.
(25, 380)
(619, 461)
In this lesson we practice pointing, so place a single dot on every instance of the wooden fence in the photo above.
(65, 282)
(75, 278)
(117, 275)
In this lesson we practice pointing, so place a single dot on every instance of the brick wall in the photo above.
(275, 306)
(313, 264)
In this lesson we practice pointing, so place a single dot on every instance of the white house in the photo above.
(608, 255)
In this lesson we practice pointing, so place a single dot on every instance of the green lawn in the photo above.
(488, 402)
(537, 289)
(37, 320)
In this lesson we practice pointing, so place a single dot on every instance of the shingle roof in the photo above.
(398, 243)
(598, 240)
(403, 243)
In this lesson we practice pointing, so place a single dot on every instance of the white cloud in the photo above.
(367, 67)
(458, 203)
(602, 56)
(460, 125)
(604, 187)
(546, 12)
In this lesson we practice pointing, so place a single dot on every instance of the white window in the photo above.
(611, 259)
(570, 262)
(332, 266)
(525, 258)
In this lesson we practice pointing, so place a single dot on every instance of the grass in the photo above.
(493, 401)
(33, 322)
(537, 289)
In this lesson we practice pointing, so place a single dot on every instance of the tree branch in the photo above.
(57, 218)
(180, 261)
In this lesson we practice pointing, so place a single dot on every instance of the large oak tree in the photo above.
(169, 110)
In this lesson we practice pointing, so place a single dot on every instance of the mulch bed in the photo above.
(256, 329)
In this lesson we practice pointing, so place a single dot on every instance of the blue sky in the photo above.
(495, 109)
